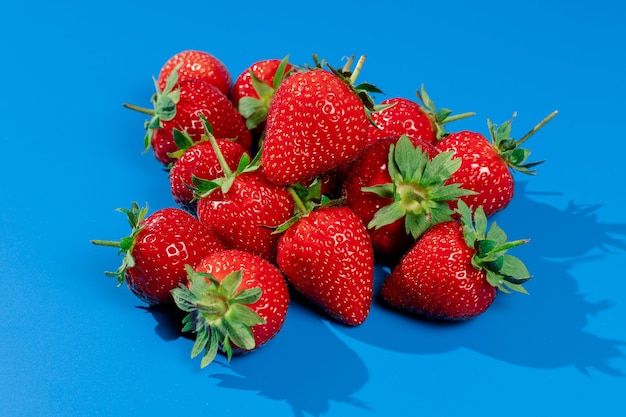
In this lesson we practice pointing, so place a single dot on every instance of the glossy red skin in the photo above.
(243, 217)
(327, 256)
(405, 117)
(256, 273)
(197, 65)
(482, 170)
(169, 239)
(264, 70)
(371, 169)
(315, 125)
(436, 278)
(200, 161)
(198, 97)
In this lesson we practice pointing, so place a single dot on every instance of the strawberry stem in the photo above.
(460, 116)
(218, 153)
(109, 243)
(299, 203)
(144, 110)
(348, 64)
(536, 128)
(357, 69)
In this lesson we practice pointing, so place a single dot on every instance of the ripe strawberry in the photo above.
(454, 270)
(156, 251)
(236, 302)
(254, 89)
(179, 106)
(198, 65)
(401, 116)
(486, 167)
(242, 207)
(398, 188)
(199, 159)
(327, 256)
(317, 122)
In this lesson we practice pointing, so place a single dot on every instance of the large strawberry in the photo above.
(199, 160)
(317, 122)
(254, 89)
(487, 166)
(401, 116)
(327, 256)
(236, 302)
(156, 251)
(199, 65)
(455, 269)
(179, 106)
(398, 188)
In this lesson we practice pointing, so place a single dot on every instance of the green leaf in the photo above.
(240, 334)
(211, 350)
(515, 269)
(248, 296)
(200, 343)
(480, 222)
(404, 156)
(381, 190)
(231, 283)
(244, 314)
(496, 234)
(387, 215)
(484, 246)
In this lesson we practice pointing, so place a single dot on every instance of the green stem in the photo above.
(536, 128)
(508, 245)
(149, 112)
(357, 69)
(298, 200)
(106, 243)
(459, 116)
(220, 156)
(348, 64)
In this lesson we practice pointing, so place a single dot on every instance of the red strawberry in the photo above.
(156, 251)
(398, 188)
(316, 123)
(401, 116)
(254, 89)
(179, 106)
(199, 159)
(327, 256)
(242, 207)
(486, 167)
(198, 65)
(454, 270)
(236, 302)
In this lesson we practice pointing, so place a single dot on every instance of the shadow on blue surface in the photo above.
(545, 330)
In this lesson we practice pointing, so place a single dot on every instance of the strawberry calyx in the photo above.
(164, 105)
(218, 313)
(255, 110)
(418, 188)
(203, 186)
(503, 271)
(135, 216)
(509, 149)
(438, 117)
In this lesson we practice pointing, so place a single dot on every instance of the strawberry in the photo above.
(401, 116)
(199, 159)
(487, 165)
(242, 207)
(316, 123)
(327, 256)
(179, 105)
(455, 269)
(236, 302)
(398, 188)
(254, 89)
(156, 251)
(199, 65)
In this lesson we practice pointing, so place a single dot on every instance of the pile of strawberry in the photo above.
(293, 179)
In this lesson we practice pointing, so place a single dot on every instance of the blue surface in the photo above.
(73, 344)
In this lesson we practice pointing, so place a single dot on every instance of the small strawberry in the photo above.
(236, 302)
(398, 188)
(254, 89)
(454, 270)
(401, 116)
(327, 256)
(199, 159)
(242, 207)
(179, 106)
(156, 251)
(487, 165)
(199, 65)
(317, 122)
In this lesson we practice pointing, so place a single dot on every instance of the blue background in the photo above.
(72, 343)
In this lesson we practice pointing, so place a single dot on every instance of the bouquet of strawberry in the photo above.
(292, 178)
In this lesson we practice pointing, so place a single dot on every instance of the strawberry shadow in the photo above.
(305, 366)
(545, 330)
